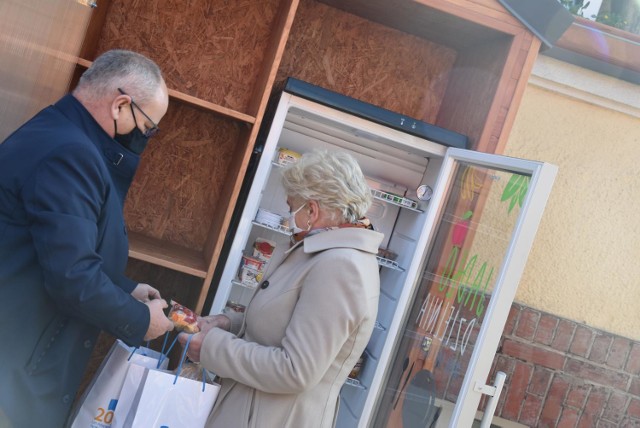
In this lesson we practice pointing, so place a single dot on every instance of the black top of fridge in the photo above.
(376, 114)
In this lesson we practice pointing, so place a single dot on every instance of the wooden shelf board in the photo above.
(166, 254)
(196, 102)
(459, 24)
(84, 62)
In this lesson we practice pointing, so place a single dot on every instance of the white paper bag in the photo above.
(130, 387)
(98, 403)
(165, 399)
(161, 402)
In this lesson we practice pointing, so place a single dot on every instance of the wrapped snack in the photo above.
(251, 271)
(387, 254)
(263, 249)
(286, 156)
(235, 306)
(184, 319)
(194, 371)
(250, 277)
(355, 372)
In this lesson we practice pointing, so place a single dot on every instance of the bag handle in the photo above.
(183, 358)
(163, 354)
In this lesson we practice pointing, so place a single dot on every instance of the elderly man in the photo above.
(64, 176)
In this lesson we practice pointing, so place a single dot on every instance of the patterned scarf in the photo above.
(363, 223)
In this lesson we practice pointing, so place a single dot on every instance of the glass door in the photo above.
(488, 208)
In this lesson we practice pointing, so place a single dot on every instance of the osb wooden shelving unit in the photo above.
(460, 64)
(219, 62)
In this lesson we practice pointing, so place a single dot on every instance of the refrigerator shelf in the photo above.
(389, 264)
(379, 326)
(395, 200)
(279, 228)
(355, 382)
(242, 284)
(281, 164)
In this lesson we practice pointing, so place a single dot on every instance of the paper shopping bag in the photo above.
(130, 387)
(95, 408)
(161, 402)
(167, 399)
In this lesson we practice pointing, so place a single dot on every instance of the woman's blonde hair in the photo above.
(333, 179)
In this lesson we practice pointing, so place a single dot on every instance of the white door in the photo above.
(488, 210)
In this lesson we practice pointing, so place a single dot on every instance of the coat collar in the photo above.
(121, 162)
(356, 238)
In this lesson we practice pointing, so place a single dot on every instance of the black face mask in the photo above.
(134, 140)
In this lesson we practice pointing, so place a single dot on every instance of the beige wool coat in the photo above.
(300, 337)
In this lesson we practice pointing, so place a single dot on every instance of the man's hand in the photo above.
(205, 324)
(159, 324)
(145, 292)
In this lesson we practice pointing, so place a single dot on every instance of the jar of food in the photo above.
(358, 367)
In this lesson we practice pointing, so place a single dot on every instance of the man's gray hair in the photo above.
(134, 73)
(333, 179)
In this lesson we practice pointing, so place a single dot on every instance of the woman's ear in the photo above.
(314, 211)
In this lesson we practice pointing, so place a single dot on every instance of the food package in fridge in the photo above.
(263, 249)
(251, 271)
(286, 156)
(235, 307)
(355, 372)
(387, 254)
(271, 219)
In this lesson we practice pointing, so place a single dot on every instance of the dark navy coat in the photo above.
(63, 252)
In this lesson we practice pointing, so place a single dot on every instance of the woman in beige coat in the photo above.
(283, 364)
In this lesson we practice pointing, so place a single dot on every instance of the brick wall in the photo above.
(564, 374)
(560, 373)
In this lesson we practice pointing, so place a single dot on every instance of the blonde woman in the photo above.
(283, 365)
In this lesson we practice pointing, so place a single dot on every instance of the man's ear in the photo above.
(117, 104)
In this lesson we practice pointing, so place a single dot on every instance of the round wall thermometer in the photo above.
(424, 192)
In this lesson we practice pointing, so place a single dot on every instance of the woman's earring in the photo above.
(308, 225)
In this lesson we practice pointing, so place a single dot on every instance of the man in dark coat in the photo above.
(64, 176)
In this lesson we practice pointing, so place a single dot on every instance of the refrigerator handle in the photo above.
(494, 394)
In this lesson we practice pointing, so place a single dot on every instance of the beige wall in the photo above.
(585, 262)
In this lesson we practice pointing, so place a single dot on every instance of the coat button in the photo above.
(264, 285)
(87, 344)
(66, 399)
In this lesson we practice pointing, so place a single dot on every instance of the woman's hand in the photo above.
(205, 324)
(211, 321)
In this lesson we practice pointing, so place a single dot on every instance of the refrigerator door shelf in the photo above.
(242, 284)
(400, 201)
(355, 383)
(389, 264)
(276, 228)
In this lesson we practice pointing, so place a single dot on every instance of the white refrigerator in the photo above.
(427, 196)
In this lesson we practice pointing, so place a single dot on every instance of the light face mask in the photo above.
(292, 220)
